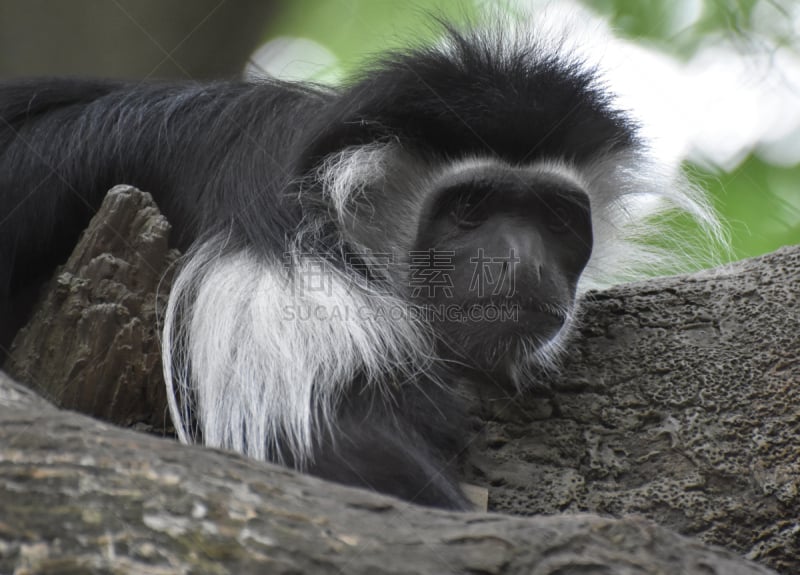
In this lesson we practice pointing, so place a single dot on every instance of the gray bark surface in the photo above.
(81, 496)
(92, 344)
(680, 402)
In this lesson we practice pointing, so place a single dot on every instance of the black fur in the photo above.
(231, 157)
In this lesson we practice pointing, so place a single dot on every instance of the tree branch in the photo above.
(79, 495)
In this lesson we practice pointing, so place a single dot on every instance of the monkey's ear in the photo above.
(336, 133)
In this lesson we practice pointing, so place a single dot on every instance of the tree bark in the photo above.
(678, 404)
(92, 344)
(81, 496)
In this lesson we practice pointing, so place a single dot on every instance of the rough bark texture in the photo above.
(679, 404)
(93, 343)
(80, 496)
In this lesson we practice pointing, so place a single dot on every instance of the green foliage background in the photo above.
(759, 201)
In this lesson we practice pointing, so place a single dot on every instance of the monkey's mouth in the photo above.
(510, 316)
(554, 311)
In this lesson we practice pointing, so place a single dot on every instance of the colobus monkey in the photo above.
(351, 254)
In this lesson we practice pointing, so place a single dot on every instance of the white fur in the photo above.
(346, 176)
(385, 168)
(633, 198)
(255, 369)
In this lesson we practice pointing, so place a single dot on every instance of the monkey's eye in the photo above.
(565, 214)
(469, 210)
(559, 218)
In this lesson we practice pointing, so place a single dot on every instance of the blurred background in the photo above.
(716, 82)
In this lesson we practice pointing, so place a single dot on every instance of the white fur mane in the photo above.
(259, 352)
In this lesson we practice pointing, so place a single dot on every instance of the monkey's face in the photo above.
(489, 254)
(497, 258)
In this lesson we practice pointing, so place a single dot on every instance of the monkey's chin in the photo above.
(539, 324)
(515, 349)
